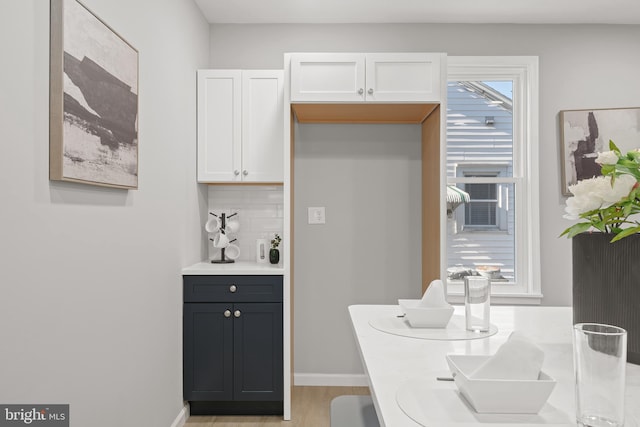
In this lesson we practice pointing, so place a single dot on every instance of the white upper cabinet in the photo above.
(240, 126)
(219, 125)
(331, 77)
(403, 77)
(368, 77)
(262, 126)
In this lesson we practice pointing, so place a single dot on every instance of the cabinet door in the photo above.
(327, 77)
(403, 77)
(219, 125)
(258, 373)
(262, 126)
(207, 352)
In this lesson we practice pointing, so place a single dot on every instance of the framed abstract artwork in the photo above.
(93, 100)
(584, 133)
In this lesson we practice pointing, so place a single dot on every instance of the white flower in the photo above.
(597, 193)
(597, 204)
(607, 158)
(622, 186)
(585, 198)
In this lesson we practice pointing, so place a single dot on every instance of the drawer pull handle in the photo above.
(227, 313)
(237, 313)
(233, 288)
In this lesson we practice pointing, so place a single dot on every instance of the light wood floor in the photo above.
(309, 408)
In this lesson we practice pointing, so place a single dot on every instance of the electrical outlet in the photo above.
(316, 215)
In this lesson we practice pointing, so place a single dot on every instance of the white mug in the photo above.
(232, 251)
(232, 226)
(213, 224)
(221, 240)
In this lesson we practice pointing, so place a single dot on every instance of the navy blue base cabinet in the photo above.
(233, 345)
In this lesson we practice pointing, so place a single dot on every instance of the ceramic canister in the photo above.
(262, 251)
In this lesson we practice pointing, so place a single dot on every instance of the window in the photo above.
(492, 156)
(482, 209)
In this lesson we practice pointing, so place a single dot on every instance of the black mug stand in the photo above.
(223, 224)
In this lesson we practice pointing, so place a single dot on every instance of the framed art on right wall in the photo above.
(584, 133)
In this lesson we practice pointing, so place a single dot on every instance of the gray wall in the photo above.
(368, 179)
(90, 285)
(581, 66)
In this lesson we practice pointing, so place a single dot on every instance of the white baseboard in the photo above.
(181, 419)
(345, 380)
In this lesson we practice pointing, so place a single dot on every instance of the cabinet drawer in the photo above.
(232, 288)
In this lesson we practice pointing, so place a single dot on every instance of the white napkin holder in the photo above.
(419, 316)
(498, 396)
(432, 311)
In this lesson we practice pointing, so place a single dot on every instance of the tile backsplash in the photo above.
(260, 211)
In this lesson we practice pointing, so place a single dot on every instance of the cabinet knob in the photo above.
(233, 288)
(236, 172)
(227, 313)
(360, 91)
(237, 313)
(370, 91)
(245, 172)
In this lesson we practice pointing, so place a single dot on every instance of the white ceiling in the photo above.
(422, 11)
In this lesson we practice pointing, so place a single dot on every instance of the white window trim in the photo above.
(523, 70)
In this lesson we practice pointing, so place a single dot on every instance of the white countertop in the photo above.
(241, 267)
(391, 361)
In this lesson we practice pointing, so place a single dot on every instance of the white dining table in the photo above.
(401, 368)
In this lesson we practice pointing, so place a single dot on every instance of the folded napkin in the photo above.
(434, 295)
(517, 359)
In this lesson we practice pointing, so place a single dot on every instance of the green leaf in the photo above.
(627, 210)
(613, 147)
(628, 170)
(635, 155)
(607, 169)
(627, 163)
(626, 232)
(576, 229)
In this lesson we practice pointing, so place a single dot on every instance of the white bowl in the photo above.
(499, 396)
(425, 317)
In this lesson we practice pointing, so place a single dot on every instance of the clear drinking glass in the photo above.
(600, 357)
(477, 301)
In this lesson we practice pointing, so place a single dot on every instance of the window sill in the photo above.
(469, 229)
(501, 298)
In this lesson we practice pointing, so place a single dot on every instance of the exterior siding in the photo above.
(472, 144)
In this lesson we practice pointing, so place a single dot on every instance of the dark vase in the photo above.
(274, 256)
(606, 284)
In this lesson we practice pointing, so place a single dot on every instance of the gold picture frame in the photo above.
(93, 100)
